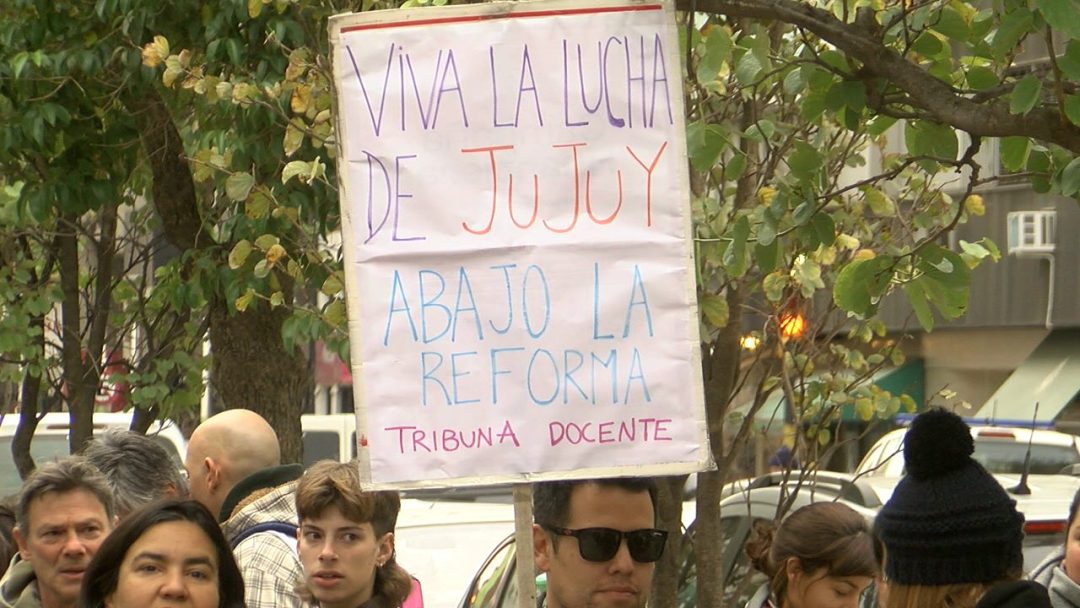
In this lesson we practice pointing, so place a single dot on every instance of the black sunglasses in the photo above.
(601, 544)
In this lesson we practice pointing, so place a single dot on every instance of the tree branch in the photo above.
(926, 92)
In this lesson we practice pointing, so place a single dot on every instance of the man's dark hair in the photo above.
(61, 476)
(551, 499)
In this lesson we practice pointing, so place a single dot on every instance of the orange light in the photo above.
(792, 326)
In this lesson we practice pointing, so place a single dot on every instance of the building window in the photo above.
(1032, 231)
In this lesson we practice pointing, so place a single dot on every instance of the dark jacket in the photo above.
(1015, 594)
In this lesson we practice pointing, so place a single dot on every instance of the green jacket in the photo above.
(18, 588)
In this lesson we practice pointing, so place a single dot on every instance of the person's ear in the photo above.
(20, 542)
(542, 548)
(213, 473)
(386, 549)
(793, 568)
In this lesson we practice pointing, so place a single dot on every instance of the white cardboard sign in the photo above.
(515, 207)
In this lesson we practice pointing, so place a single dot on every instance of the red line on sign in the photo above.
(524, 14)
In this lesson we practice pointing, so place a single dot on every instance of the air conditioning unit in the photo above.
(1032, 232)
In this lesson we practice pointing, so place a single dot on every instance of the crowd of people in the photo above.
(119, 526)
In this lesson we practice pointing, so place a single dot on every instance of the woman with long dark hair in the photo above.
(170, 551)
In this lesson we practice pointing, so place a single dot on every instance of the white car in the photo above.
(1000, 449)
(441, 542)
(51, 441)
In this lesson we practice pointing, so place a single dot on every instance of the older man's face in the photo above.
(62, 532)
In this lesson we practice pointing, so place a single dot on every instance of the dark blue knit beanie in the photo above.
(948, 521)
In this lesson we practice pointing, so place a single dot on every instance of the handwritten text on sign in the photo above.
(517, 259)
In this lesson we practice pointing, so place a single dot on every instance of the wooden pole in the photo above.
(525, 572)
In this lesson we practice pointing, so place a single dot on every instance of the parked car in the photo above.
(1001, 449)
(440, 542)
(746, 502)
(51, 441)
(328, 437)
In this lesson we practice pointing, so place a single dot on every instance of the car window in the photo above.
(1007, 457)
(43, 448)
(488, 583)
(320, 445)
(741, 579)
(352, 442)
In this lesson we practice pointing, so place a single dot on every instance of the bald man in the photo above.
(234, 468)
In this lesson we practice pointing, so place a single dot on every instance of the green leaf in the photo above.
(243, 301)
(704, 143)
(1014, 152)
(879, 202)
(1072, 108)
(929, 139)
(276, 299)
(1025, 95)
(335, 313)
(767, 256)
(239, 254)
(266, 241)
(1061, 15)
(928, 45)
(715, 309)
(262, 269)
(747, 69)
(294, 168)
(1070, 178)
(1014, 26)
(916, 296)
(238, 186)
(805, 161)
(981, 78)
(332, 285)
(823, 228)
(861, 283)
(735, 254)
(1070, 61)
(717, 51)
(879, 125)
(951, 24)
(774, 285)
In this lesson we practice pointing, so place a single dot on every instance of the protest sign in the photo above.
(516, 229)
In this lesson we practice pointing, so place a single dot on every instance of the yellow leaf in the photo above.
(864, 254)
(254, 8)
(766, 194)
(275, 253)
(974, 205)
(155, 52)
(301, 98)
(294, 138)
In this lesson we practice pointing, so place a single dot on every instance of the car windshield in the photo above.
(1007, 457)
(43, 449)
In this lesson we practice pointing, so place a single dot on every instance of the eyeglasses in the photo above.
(601, 544)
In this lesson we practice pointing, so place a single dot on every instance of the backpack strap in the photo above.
(281, 527)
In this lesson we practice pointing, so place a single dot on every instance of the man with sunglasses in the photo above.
(597, 541)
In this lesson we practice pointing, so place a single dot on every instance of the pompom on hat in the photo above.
(948, 520)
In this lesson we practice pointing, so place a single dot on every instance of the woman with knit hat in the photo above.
(952, 535)
(823, 555)
(1060, 571)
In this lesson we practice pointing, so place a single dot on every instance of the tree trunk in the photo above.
(665, 587)
(252, 370)
(80, 377)
(721, 365)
